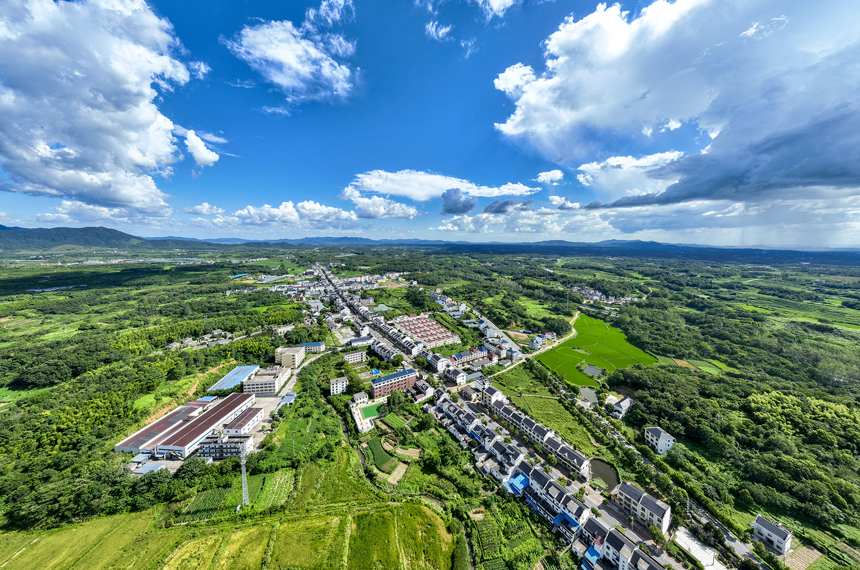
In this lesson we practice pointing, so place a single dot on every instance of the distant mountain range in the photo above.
(20, 240)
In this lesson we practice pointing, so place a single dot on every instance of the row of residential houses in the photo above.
(567, 515)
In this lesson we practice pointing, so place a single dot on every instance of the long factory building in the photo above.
(181, 431)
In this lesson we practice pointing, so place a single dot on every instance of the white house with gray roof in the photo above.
(772, 534)
(644, 508)
(659, 439)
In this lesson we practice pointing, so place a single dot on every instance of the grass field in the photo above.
(310, 476)
(196, 554)
(552, 414)
(424, 541)
(371, 411)
(62, 548)
(311, 543)
(393, 421)
(245, 549)
(342, 481)
(518, 381)
(373, 542)
(598, 344)
(296, 434)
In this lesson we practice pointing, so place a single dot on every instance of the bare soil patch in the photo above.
(802, 558)
(397, 474)
(684, 363)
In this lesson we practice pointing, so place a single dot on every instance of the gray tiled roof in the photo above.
(633, 492)
(653, 505)
(618, 540)
(659, 433)
(773, 527)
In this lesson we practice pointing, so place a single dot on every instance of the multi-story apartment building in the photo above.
(354, 357)
(398, 381)
(338, 385)
(644, 508)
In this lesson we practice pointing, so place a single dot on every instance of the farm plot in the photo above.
(245, 549)
(383, 461)
(598, 344)
(127, 532)
(311, 543)
(393, 421)
(297, 434)
(706, 367)
(204, 506)
(488, 538)
(373, 542)
(276, 490)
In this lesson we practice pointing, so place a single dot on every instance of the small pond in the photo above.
(588, 393)
(592, 370)
(602, 471)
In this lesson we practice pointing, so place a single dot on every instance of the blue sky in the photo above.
(695, 121)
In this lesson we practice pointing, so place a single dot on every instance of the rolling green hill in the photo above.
(16, 240)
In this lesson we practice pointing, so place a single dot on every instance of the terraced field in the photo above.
(597, 344)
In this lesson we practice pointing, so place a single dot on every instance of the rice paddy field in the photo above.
(597, 344)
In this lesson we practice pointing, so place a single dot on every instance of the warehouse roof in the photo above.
(244, 418)
(207, 422)
(234, 377)
(150, 468)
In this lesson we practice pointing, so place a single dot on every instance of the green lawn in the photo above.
(371, 411)
(598, 344)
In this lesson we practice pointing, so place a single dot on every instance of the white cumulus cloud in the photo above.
(202, 155)
(300, 60)
(78, 117)
(624, 175)
(307, 214)
(204, 209)
(422, 186)
(495, 7)
(774, 84)
(552, 177)
(377, 207)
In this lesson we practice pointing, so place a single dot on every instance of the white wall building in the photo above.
(659, 439)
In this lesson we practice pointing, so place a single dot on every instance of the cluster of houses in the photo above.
(448, 304)
(215, 338)
(530, 480)
(590, 294)
(542, 340)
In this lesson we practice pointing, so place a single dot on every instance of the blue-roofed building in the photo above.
(150, 468)
(590, 558)
(287, 400)
(235, 377)
(385, 385)
(237, 276)
(313, 346)
(207, 398)
(518, 484)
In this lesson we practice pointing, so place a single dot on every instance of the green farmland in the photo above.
(597, 344)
